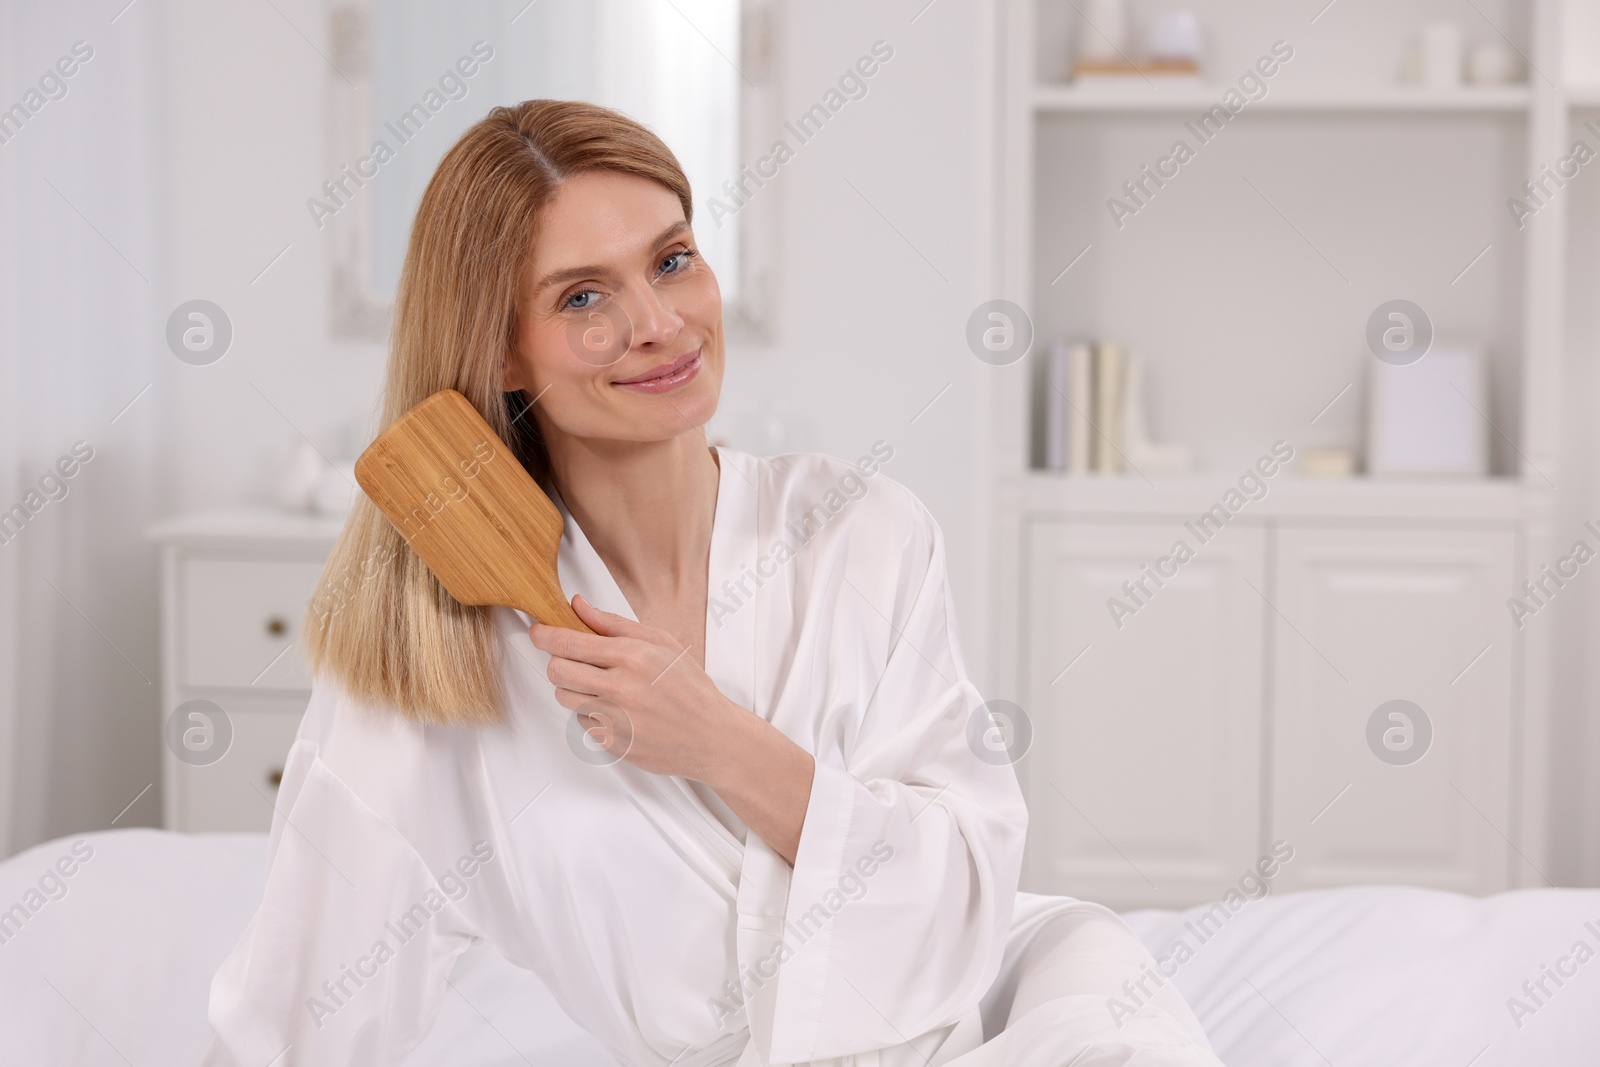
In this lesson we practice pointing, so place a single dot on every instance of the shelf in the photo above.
(1140, 97)
(1289, 497)
(231, 528)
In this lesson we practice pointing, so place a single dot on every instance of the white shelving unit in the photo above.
(1140, 97)
(1171, 752)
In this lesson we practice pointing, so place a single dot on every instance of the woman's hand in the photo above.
(650, 703)
(639, 693)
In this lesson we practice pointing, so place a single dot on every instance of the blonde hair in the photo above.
(381, 625)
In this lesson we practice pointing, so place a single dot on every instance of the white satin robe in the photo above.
(660, 924)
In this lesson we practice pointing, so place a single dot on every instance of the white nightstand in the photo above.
(233, 588)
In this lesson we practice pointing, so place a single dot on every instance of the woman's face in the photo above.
(619, 331)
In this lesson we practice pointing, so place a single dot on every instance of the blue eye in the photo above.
(676, 262)
(583, 299)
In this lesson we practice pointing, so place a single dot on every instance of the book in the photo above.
(1121, 68)
(1119, 73)
(1057, 407)
(1080, 435)
(1108, 386)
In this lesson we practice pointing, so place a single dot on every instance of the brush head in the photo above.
(468, 508)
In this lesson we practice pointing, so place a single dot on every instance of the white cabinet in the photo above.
(1371, 616)
(1232, 708)
(234, 588)
(1144, 779)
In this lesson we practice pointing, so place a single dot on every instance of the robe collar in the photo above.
(758, 876)
(730, 653)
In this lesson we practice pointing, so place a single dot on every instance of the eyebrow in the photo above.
(572, 274)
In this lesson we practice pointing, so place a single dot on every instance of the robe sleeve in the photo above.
(906, 873)
(347, 958)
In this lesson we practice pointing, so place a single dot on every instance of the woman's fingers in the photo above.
(574, 644)
(573, 700)
(577, 677)
(609, 624)
(602, 647)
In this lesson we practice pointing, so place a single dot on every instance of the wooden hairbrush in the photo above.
(468, 508)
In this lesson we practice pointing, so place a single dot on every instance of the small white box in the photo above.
(1580, 42)
(1429, 418)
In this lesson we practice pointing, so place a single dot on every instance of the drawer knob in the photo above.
(275, 777)
(276, 626)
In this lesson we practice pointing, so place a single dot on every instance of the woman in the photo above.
(741, 822)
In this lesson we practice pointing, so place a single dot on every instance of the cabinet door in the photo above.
(238, 791)
(240, 621)
(1144, 778)
(1366, 617)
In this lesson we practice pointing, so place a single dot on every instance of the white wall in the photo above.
(246, 97)
(81, 318)
(884, 255)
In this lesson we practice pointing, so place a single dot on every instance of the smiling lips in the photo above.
(664, 379)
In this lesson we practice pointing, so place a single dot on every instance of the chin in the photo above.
(696, 401)
(695, 407)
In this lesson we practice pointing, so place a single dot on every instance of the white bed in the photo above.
(116, 970)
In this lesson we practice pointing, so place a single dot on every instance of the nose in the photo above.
(654, 320)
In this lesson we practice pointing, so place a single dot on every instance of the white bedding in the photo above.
(113, 963)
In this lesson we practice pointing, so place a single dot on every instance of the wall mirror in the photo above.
(407, 77)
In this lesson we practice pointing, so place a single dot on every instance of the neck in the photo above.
(646, 507)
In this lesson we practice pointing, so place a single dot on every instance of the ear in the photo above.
(512, 379)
